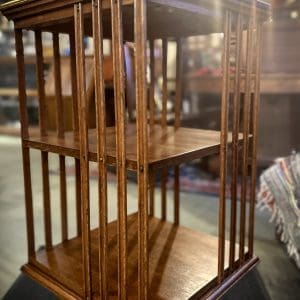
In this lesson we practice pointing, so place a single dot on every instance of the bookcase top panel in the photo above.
(180, 17)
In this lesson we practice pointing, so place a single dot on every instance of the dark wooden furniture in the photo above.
(141, 255)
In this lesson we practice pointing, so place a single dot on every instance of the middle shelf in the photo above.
(167, 146)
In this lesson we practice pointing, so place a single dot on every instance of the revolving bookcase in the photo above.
(141, 255)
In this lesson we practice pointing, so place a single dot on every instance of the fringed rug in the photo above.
(280, 193)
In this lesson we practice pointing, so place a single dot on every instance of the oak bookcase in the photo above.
(140, 255)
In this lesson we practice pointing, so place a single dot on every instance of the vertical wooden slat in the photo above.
(74, 84)
(179, 79)
(223, 148)
(140, 26)
(256, 105)
(178, 99)
(235, 138)
(152, 83)
(75, 121)
(152, 120)
(176, 195)
(84, 149)
(164, 171)
(101, 144)
(41, 83)
(60, 134)
(43, 132)
(152, 192)
(165, 82)
(63, 198)
(46, 200)
(78, 196)
(119, 91)
(163, 186)
(245, 150)
(58, 89)
(25, 150)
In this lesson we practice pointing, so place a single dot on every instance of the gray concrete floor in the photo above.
(199, 212)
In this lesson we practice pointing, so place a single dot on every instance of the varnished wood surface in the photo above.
(182, 262)
(271, 83)
(200, 16)
(166, 146)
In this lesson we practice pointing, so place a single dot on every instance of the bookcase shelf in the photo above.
(168, 146)
(141, 256)
(183, 262)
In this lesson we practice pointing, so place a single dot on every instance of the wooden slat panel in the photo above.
(152, 82)
(256, 105)
(119, 91)
(224, 145)
(25, 150)
(22, 84)
(165, 82)
(63, 198)
(140, 22)
(46, 200)
(60, 134)
(74, 83)
(152, 121)
(179, 80)
(43, 132)
(84, 148)
(176, 195)
(164, 172)
(245, 150)
(152, 192)
(58, 89)
(101, 146)
(75, 120)
(78, 196)
(41, 83)
(235, 139)
(163, 186)
(178, 97)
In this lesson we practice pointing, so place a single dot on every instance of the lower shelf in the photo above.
(182, 263)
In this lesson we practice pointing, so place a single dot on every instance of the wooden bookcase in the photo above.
(140, 255)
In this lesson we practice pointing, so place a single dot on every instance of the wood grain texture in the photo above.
(167, 147)
(255, 118)
(58, 88)
(152, 175)
(203, 13)
(60, 128)
(101, 147)
(246, 129)
(63, 197)
(235, 140)
(84, 149)
(140, 35)
(224, 144)
(40, 83)
(119, 92)
(177, 122)
(152, 83)
(46, 200)
(73, 70)
(78, 196)
(172, 251)
(25, 149)
(164, 172)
